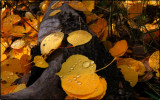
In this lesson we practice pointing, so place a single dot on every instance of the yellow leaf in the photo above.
(137, 66)
(129, 74)
(54, 12)
(19, 87)
(3, 57)
(89, 4)
(18, 44)
(79, 37)
(82, 85)
(77, 64)
(119, 48)
(99, 90)
(154, 62)
(77, 5)
(51, 42)
(7, 78)
(40, 62)
(57, 4)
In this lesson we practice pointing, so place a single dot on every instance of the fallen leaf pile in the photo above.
(18, 35)
(80, 80)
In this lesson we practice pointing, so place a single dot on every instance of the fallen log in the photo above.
(48, 85)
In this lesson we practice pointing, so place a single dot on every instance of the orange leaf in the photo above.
(25, 60)
(154, 61)
(119, 48)
(57, 4)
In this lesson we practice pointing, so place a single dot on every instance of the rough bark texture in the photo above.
(48, 85)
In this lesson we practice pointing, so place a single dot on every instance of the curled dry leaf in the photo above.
(18, 44)
(51, 42)
(129, 74)
(57, 4)
(119, 48)
(7, 78)
(54, 12)
(79, 37)
(137, 66)
(40, 62)
(154, 62)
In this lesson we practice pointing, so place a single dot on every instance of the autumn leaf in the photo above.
(7, 78)
(154, 61)
(119, 48)
(77, 80)
(54, 12)
(79, 37)
(19, 43)
(12, 65)
(129, 74)
(51, 42)
(136, 65)
(57, 4)
(40, 62)
(82, 6)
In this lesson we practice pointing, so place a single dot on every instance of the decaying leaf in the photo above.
(129, 74)
(79, 37)
(51, 42)
(154, 62)
(77, 64)
(54, 12)
(119, 48)
(19, 43)
(137, 66)
(57, 4)
(40, 62)
(135, 10)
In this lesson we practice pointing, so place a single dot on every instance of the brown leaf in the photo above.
(135, 10)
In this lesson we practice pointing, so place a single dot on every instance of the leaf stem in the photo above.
(107, 65)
